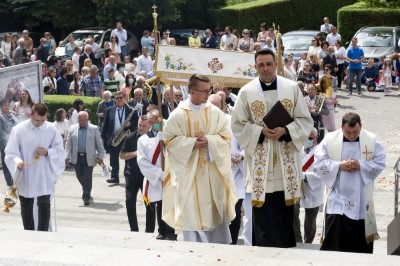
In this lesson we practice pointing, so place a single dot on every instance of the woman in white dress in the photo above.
(61, 123)
(23, 108)
(115, 49)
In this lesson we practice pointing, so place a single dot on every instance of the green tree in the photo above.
(382, 3)
(66, 14)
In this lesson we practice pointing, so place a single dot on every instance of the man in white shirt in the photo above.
(229, 41)
(333, 36)
(144, 63)
(35, 152)
(122, 38)
(326, 27)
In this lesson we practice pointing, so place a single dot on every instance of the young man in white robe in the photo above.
(312, 192)
(35, 155)
(272, 159)
(199, 191)
(149, 161)
(348, 161)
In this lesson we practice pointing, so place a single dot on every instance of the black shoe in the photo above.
(171, 238)
(113, 181)
(86, 202)
(160, 237)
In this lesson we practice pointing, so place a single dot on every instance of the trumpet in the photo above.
(106, 170)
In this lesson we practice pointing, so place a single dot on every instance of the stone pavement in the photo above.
(103, 225)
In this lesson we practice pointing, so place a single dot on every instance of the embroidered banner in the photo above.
(175, 64)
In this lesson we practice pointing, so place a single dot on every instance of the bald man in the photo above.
(83, 145)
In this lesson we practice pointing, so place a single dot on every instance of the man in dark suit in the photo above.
(83, 144)
(134, 177)
(166, 105)
(115, 117)
(330, 59)
(86, 54)
(139, 103)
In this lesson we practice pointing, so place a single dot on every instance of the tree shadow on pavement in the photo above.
(112, 207)
(346, 107)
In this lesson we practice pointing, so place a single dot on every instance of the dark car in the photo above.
(100, 36)
(182, 36)
(299, 41)
(378, 42)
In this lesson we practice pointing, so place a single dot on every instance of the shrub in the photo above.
(54, 102)
(381, 3)
(352, 18)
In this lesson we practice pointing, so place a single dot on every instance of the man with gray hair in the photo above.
(83, 145)
(87, 53)
(18, 52)
(138, 102)
(91, 85)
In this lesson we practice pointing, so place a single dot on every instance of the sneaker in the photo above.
(86, 202)
(360, 94)
(160, 237)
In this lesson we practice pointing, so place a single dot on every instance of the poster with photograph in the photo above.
(21, 77)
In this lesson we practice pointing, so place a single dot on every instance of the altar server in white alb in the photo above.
(348, 161)
(149, 161)
(35, 177)
(313, 196)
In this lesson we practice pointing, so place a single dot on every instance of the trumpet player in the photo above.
(83, 143)
(117, 121)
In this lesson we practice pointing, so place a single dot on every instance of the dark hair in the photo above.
(107, 52)
(116, 37)
(76, 104)
(265, 51)
(263, 25)
(193, 30)
(329, 66)
(119, 93)
(76, 82)
(352, 119)
(195, 79)
(63, 70)
(58, 114)
(3, 101)
(127, 80)
(324, 43)
(120, 64)
(229, 28)
(40, 109)
(76, 48)
(30, 102)
(339, 42)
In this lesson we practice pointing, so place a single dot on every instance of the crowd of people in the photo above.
(272, 170)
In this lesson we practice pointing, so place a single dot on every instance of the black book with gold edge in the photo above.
(277, 116)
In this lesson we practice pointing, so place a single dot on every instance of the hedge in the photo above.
(352, 18)
(54, 102)
(288, 14)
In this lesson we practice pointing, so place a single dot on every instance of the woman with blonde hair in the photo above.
(246, 44)
(87, 62)
(51, 43)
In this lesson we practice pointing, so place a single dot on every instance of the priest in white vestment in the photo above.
(349, 160)
(199, 191)
(272, 155)
(35, 155)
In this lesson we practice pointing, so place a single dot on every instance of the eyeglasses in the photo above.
(206, 92)
(118, 98)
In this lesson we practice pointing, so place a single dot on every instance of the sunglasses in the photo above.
(326, 69)
(245, 33)
(118, 98)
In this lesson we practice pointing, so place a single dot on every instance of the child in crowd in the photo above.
(381, 83)
(302, 61)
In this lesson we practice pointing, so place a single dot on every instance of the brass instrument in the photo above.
(121, 133)
(106, 170)
(320, 103)
(279, 52)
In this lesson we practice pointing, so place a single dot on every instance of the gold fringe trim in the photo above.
(371, 238)
(257, 203)
(292, 201)
(146, 200)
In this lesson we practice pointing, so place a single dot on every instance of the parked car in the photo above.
(378, 42)
(100, 36)
(182, 36)
(299, 41)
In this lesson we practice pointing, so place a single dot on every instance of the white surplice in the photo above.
(39, 178)
(313, 185)
(347, 195)
(153, 174)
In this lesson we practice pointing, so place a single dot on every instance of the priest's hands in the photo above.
(349, 165)
(41, 151)
(201, 142)
(275, 133)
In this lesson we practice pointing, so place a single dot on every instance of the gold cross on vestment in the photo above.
(349, 205)
(366, 152)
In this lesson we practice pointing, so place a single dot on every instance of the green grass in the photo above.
(252, 4)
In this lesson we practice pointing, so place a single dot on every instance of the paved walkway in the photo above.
(379, 114)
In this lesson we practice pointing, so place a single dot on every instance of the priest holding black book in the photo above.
(272, 137)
